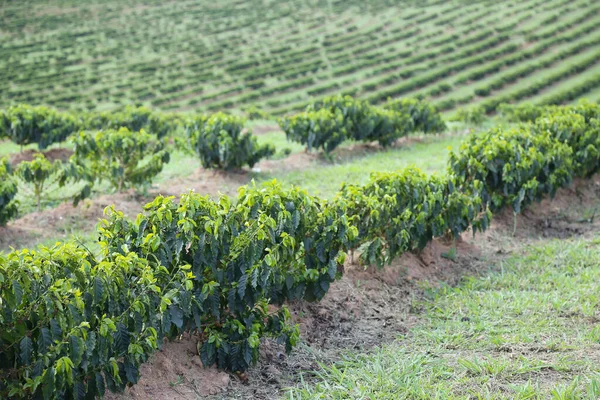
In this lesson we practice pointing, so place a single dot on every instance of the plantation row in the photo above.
(129, 148)
(193, 56)
(326, 124)
(76, 325)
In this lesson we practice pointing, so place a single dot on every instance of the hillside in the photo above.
(196, 55)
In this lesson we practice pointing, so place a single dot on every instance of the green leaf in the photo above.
(18, 292)
(76, 347)
(131, 372)
(98, 290)
(48, 383)
(79, 391)
(242, 284)
(26, 349)
(56, 330)
(44, 340)
(176, 315)
(121, 339)
(100, 385)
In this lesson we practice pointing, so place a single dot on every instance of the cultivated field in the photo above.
(302, 200)
(278, 55)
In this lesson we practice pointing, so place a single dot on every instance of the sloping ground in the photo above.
(277, 55)
(370, 308)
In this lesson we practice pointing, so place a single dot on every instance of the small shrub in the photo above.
(322, 129)
(24, 124)
(220, 143)
(122, 157)
(471, 116)
(254, 113)
(516, 167)
(39, 173)
(134, 119)
(425, 117)
(582, 137)
(522, 113)
(8, 191)
(327, 123)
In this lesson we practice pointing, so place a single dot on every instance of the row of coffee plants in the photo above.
(516, 166)
(425, 117)
(577, 127)
(123, 158)
(24, 124)
(535, 87)
(134, 119)
(327, 123)
(403, 211)
(131, 159)
(74, 325)
(522, 165)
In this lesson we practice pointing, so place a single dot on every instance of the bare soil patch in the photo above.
(574, 211)
(262, 129)
(58, 223)
(177, 373)
(52, 155)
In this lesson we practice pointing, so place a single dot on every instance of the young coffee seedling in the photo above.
(39, 174)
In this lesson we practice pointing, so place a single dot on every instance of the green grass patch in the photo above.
(528, 330)
(324, 178)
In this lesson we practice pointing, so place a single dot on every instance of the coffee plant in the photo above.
(272, 245)
(425, 117)
(72, 326)
(122, 157)
(8, 191)
(470, 116)
(583, 138)
(521, 113)
(134, 119)
(24, 124)
(584, 108)
(403, 211)
(327, 123)
(254, 113)
(39, 174)
(364, 122)
(219, 141)
(516, 167)
(321, 129)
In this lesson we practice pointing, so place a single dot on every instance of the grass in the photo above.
(528, 330)
(326, 179)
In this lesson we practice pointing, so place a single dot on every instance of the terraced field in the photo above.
(196, 55)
